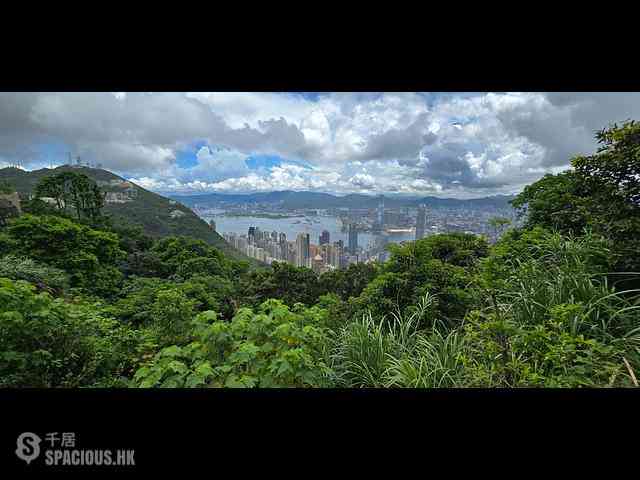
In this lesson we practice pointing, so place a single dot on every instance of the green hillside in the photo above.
(158, 215)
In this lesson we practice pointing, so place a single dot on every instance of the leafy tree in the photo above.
(458, 249)
(89, 256)
(132, 237)
(212, 293)
(339, 312)
(615, 167)
(283, 281)
(141, 299)
(441, 265)
(185, 256)
(136, 297)
(46, 342)
(172, 311)
(239, 268)
(6, 187)
(74, 192)
(553, 202)
(348, 282)
(602, 193)
(498, 224)
(37, 206)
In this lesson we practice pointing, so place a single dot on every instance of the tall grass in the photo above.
(433, 362)
(383, 353)
(560, 280)
(555, 320)
(559, 273)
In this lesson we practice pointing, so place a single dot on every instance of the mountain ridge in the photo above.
(158, 215)
(306, 199)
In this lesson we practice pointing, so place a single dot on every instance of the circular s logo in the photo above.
(28, 447)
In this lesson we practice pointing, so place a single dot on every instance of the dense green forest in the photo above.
(86, 301)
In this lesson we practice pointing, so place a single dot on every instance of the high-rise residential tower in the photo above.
(353, 239)
(421, 221)
(302, 250)
(284, 247)
(381, 213)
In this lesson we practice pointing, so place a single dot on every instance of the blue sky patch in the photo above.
(267, 162)
(54, 152)
(187, 158)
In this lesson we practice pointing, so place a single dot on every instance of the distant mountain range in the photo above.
(294, 200)
(158, 215)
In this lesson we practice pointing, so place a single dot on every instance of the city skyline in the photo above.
(274, 247)
(380, 222)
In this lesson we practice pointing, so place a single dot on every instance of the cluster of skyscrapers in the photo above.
(269, 247)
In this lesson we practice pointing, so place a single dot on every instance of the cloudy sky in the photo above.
(445, 144)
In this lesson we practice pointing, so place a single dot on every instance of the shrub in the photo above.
(44, 277)
(89, 256)
(46, 342)
(551, 318)
(271, 347)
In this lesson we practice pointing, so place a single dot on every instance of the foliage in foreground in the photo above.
(553, 322)
(47, 342)
(88, 255)
(271, 347)
(53, 280)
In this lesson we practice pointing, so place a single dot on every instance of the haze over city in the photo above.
(456, 145)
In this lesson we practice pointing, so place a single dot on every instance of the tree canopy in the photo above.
(73, 192)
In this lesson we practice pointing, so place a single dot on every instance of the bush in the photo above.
(46, 342)
(551, 318)
(42, 276)
(271, 347)
(439, 265)
(172, 313)
(89, 256)
(183, 257)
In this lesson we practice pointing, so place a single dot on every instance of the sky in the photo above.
(458, 145)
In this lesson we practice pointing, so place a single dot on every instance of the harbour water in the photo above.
(292, 226)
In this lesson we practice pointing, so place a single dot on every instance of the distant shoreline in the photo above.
(273, 216)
